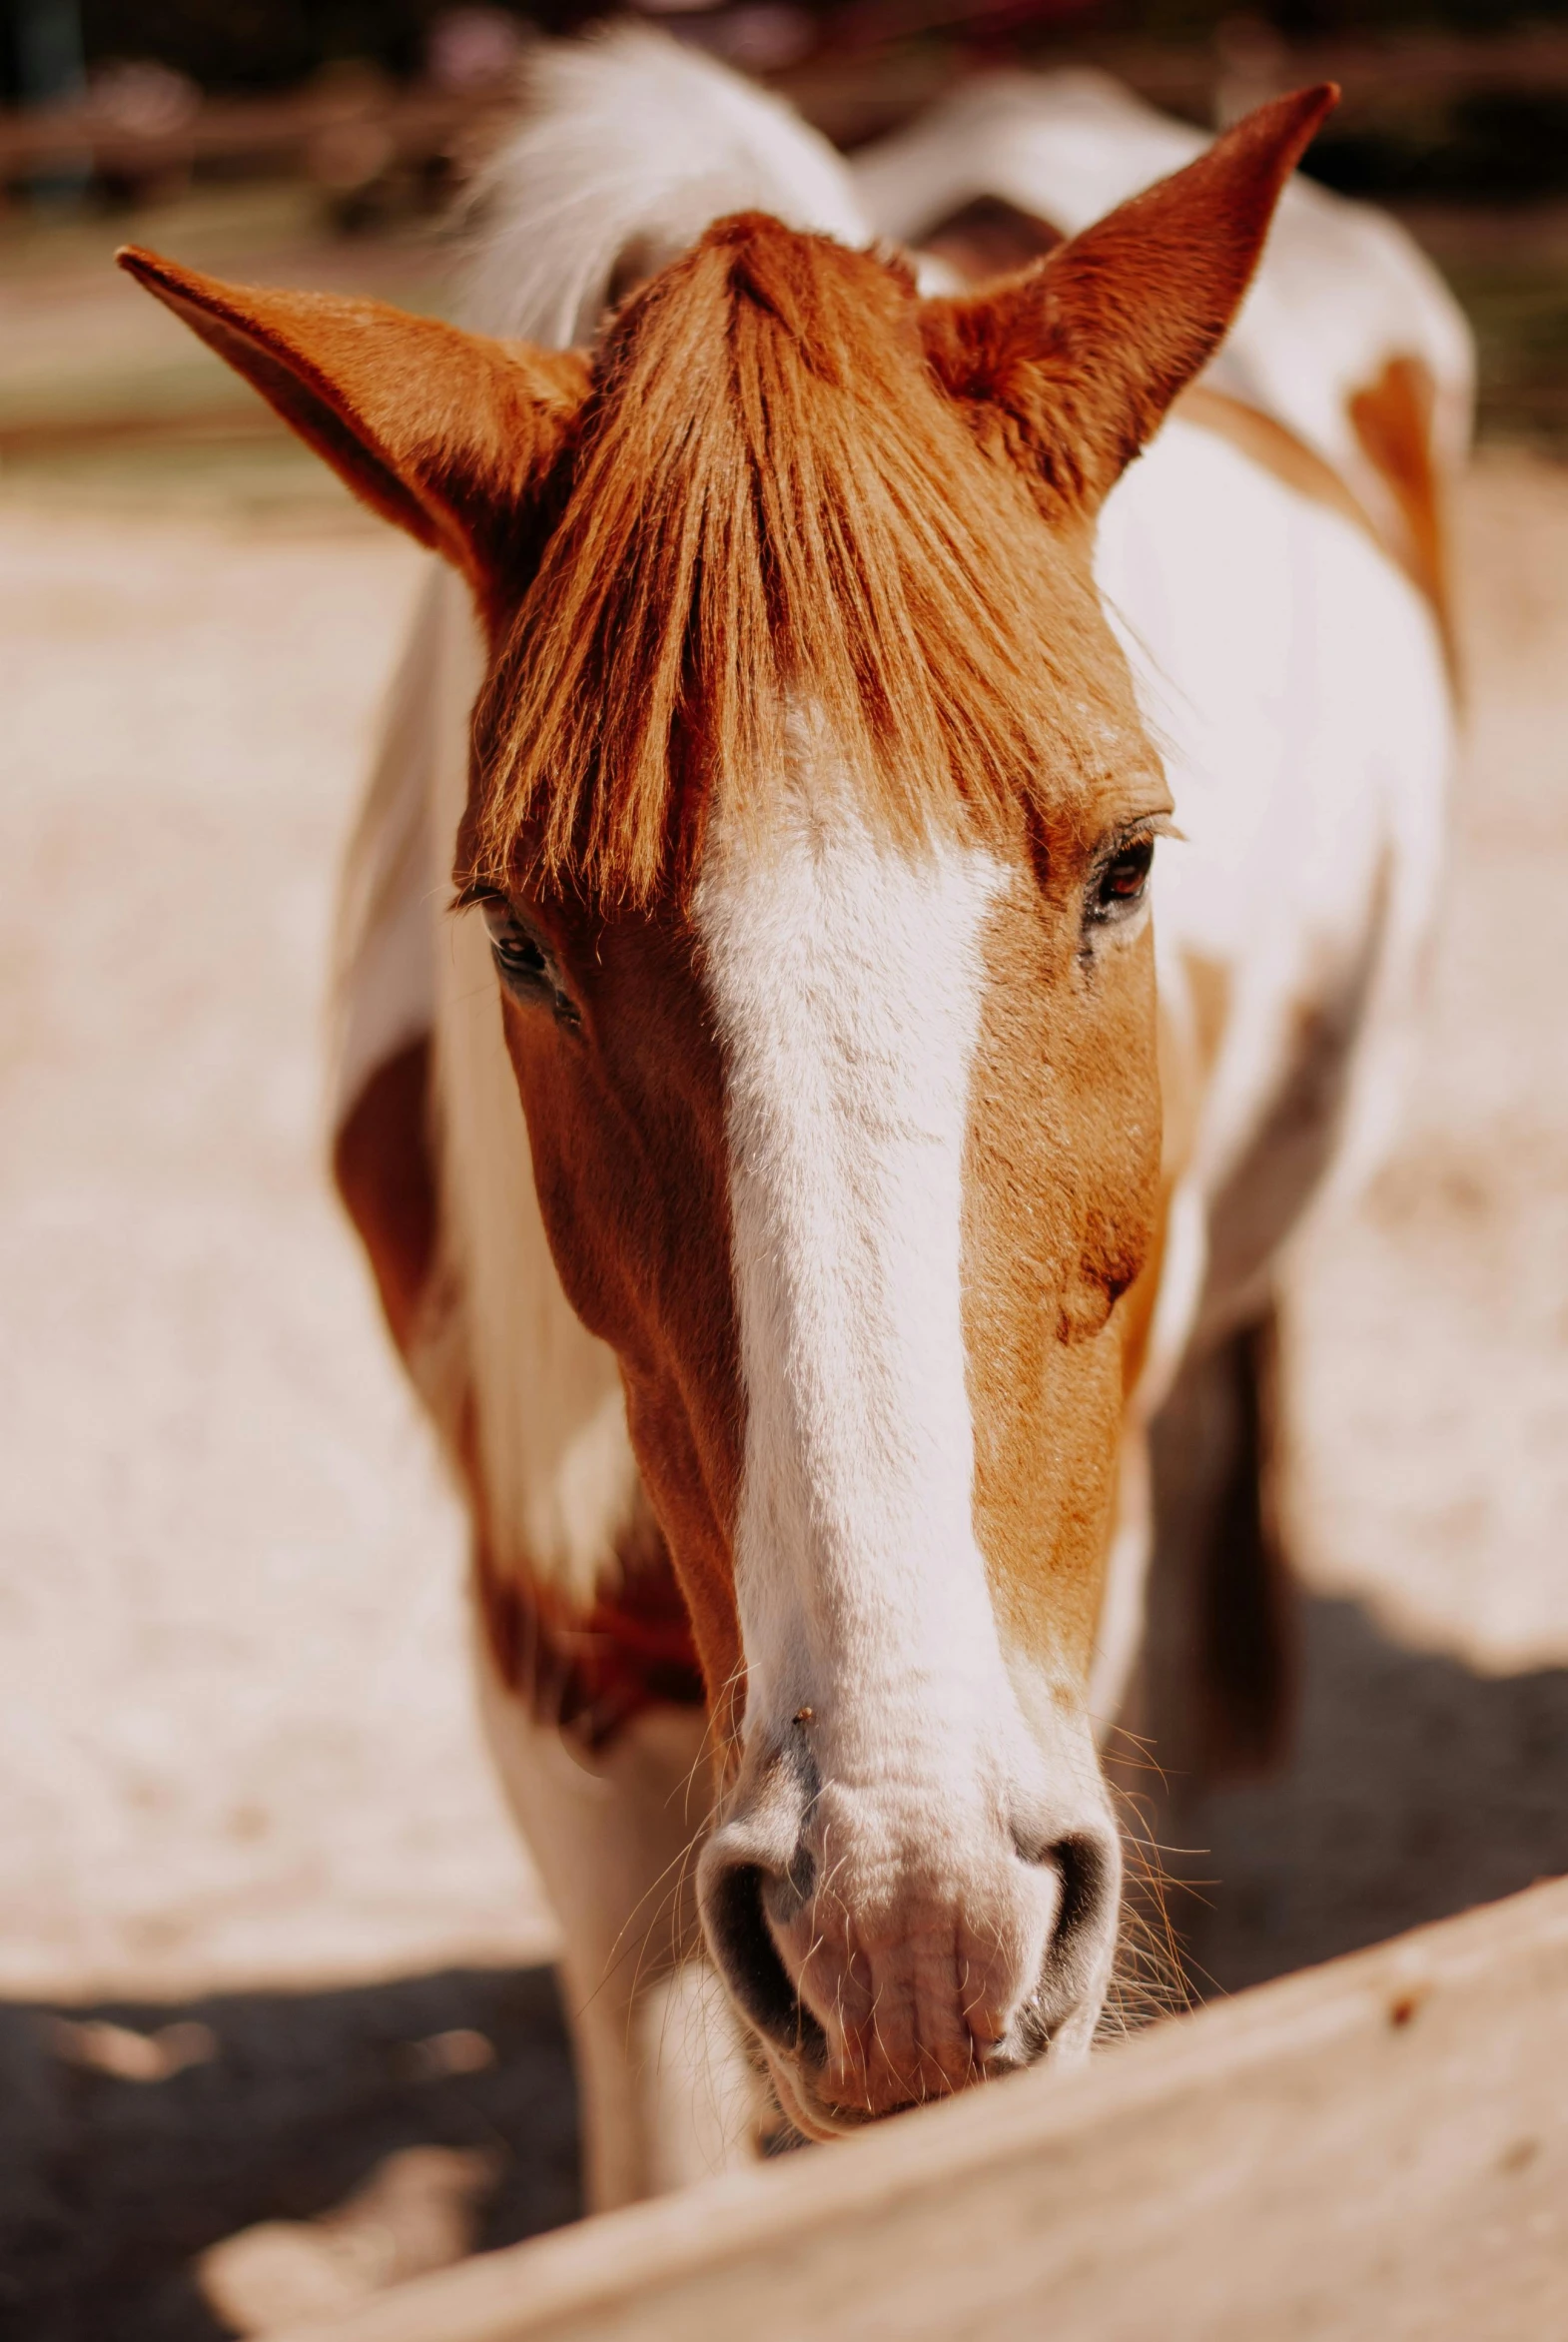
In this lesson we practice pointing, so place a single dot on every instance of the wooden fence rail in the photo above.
(1376, 2151)
(864, 78)
(326, 134)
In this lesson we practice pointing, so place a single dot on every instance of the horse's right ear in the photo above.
(448, 433)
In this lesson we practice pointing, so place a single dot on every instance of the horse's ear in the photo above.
(444, 433)
(1072, 367)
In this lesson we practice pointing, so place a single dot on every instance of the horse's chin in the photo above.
(818, 2119)
(804, 2112)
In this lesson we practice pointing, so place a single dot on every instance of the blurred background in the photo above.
(265, 1932)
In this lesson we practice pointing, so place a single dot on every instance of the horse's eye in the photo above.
(526, 967)
(1120, 883)
(518, 953)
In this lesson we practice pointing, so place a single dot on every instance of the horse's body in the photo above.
(1273, 570)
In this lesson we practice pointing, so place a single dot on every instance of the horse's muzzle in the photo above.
(888, 1949)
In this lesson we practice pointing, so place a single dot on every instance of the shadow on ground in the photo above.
(108, 2187)
(1414, 1789)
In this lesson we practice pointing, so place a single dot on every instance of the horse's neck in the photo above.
(1294, 680)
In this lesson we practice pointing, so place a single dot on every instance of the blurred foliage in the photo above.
(258, 44)
(1487, 146)
(241, 45)
(269, 44)
(1491, 147)
(1311, 20)
(1518, 311)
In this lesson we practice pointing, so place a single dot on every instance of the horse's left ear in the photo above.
(444, 433)
(1071, 368)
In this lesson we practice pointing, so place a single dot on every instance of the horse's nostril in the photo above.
(1033, 1843)
(784, 1896)
(1089, 1881)
(1079, 1861)
(1086, 1872)
(749, 1959)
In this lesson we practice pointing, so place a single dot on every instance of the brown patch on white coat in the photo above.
(1393, 419)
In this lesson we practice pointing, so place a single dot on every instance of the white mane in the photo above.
(631, 145)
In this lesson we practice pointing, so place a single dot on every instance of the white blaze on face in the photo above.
(905, 1846)
(847, 974)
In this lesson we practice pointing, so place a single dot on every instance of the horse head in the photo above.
(811, 817)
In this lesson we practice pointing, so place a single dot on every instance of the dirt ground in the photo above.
(236, 1740)
(237, 1752)
(239, 1771)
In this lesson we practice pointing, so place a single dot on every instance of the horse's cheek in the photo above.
(1116, 1109)
(1064, 1182)
(568, 1140)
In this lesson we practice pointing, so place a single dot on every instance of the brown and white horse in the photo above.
(765, 1176)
